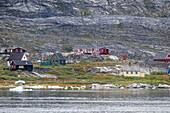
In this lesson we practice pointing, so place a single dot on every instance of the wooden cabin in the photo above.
(21, 65)
(55, 59)
(162, 57)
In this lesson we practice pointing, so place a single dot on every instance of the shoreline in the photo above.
(87, 87)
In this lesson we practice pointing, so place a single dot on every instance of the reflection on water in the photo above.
(85, 101)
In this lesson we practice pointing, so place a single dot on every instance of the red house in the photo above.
(15, 50)
(162, 57)
(91, 50)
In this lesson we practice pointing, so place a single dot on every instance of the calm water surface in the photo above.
(85, 101)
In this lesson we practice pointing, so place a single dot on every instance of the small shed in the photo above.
(168, 70)
(103, 50)
(124, 57)
(21, 65)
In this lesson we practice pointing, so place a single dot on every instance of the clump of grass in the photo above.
(5, 77)
(85, 77)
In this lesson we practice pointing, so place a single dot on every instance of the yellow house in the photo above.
(132, 74)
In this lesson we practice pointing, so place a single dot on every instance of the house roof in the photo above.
(16, 47)
(60, 56)
(160, 55)
(19, 62)
(15, 56)
(20, 48)
(131, 68)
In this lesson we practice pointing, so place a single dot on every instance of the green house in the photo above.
(56, 59)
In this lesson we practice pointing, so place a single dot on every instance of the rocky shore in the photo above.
(92, 86)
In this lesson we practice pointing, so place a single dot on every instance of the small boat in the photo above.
(19, 88)
(20, 82)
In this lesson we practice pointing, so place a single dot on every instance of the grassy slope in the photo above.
(78, 74)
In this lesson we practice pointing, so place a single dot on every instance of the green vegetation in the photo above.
(79, 74)
(158, 73)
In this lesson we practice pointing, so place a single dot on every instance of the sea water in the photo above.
(85, 101)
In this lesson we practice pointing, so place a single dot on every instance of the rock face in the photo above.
(48, 8)
(134, 27)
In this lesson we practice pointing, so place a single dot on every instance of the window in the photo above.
(131, 72)
(56, 61)
(136, 72)
(126, 72)
(21, 67)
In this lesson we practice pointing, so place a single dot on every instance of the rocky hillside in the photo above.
(131, 26)
(49, 8)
